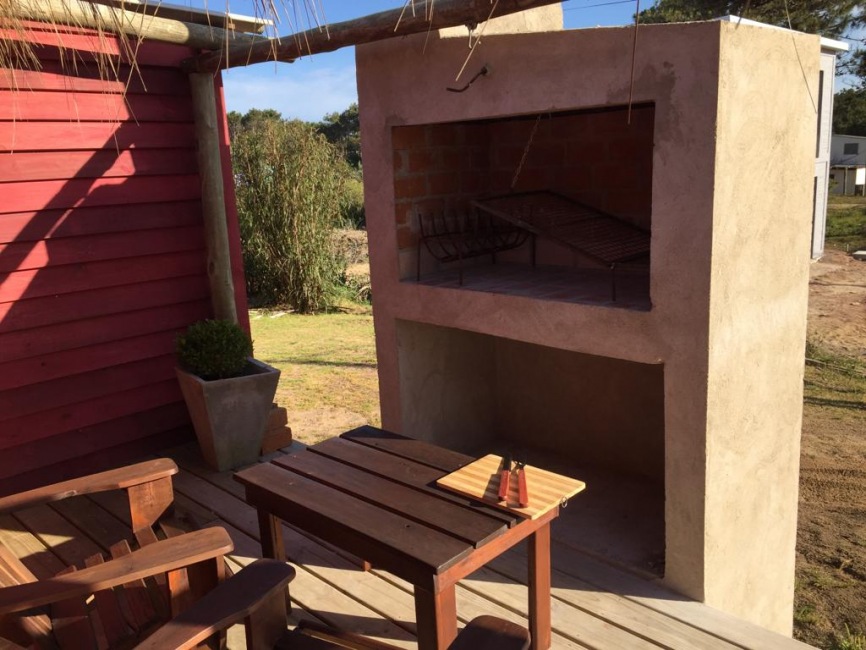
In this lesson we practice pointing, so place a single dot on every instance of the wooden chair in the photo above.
(113, 602)
(256, 597)
(168, 591)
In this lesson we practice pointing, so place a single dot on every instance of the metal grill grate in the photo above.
(606, 238)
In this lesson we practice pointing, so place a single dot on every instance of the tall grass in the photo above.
(846, 222)
(849, 641)
(289, 190)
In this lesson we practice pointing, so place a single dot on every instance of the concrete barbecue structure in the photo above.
(684, 390)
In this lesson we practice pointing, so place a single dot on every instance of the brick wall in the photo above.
(438, 168)
(595, 157)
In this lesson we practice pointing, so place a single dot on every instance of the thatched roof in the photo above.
(128, 19)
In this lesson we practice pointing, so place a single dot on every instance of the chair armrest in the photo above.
(232, 602)
(159, 557)
(115, 479)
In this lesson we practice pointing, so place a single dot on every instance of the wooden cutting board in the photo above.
(480, 479)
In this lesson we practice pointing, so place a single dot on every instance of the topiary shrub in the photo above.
(213, 349)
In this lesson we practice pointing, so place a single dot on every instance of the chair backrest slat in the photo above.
(71, 622)
(108, 616)
(135, 603)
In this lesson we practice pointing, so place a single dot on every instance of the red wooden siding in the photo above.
(90, 136)
(102, 258)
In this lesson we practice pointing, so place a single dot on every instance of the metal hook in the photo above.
(483, 72)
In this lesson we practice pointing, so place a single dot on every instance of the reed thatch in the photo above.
(132, 21)
(219, 34)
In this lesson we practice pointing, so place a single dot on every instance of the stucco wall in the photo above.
(759, 262)
(728, 268)
(466, 390)
(540, 19)
(594, 410)
(449, 385)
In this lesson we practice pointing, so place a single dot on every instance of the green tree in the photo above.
(855, 65)
(831, 18)
(235, 120)
(849, 112)
(251, 119)
(344, 130)
(290, 184)
(256, 116)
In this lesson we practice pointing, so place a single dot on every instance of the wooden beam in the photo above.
(139, 25)
(375, 27)
(219, 269)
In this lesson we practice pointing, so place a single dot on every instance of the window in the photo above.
(851, 148)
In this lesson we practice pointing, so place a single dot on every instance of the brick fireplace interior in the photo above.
(600, 158)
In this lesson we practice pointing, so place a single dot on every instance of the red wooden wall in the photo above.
(102, 257)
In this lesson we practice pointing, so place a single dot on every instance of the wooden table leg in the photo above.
(436, 618)
(539, 588)
(271, 536)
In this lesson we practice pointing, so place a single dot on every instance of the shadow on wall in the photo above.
(101, 255)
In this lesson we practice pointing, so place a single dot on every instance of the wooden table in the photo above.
(373, 494)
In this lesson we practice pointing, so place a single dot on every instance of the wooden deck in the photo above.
(594, 605)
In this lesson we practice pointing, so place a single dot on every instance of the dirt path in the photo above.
(837, 304)
(831, 536)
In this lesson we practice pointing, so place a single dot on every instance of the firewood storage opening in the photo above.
(592, 417)
(556, 205)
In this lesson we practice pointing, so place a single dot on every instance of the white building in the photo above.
(848, 165)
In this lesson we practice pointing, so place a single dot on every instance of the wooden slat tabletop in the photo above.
(424, 508)
(374, 494)
(402, 470)
(409, 549)
(409, 448)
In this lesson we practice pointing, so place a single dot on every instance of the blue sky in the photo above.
(325, 83)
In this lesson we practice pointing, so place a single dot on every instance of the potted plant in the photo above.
(228, 393)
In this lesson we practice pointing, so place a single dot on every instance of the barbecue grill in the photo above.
(506, 221)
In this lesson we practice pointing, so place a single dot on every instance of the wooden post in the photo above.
(212, 197)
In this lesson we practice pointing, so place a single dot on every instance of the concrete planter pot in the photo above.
(229, 415)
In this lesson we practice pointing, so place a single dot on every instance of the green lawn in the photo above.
(846, 222)
(328, 365)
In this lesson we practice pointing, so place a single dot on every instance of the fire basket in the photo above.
(455, 238)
